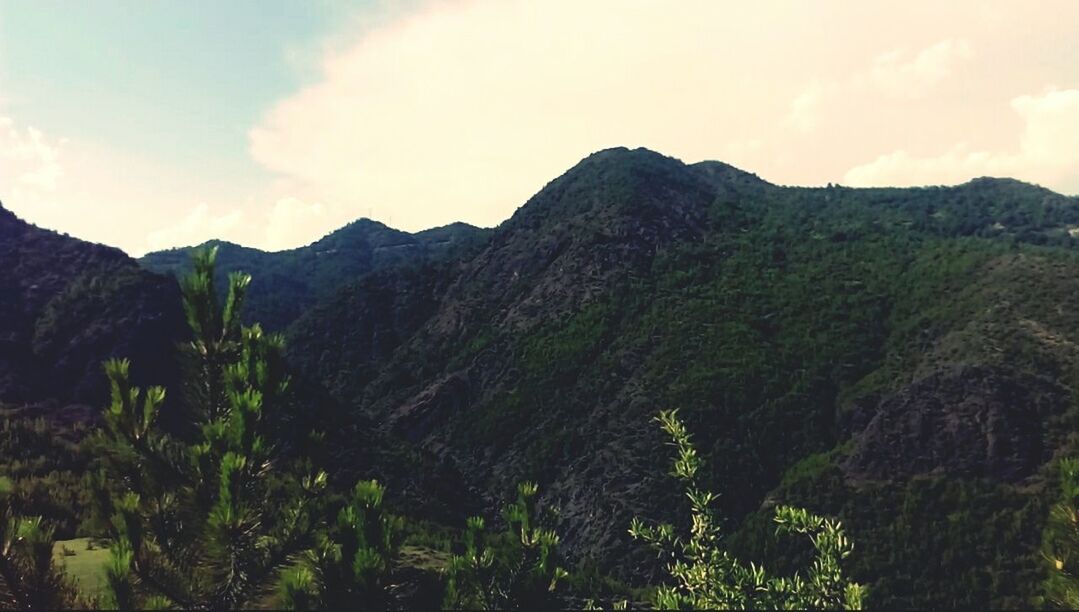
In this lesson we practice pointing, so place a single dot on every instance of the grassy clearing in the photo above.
(85, 567)
(424, 558)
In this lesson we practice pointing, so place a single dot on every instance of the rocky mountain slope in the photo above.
(818, 341)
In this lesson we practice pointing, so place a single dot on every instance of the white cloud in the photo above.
(896, 73)
(289, 223)
(293, 222)
(807, 107)
(196, 227)
(101, 195)
(29, 159)
(900, 168)
(426, 112)
(463, 110)
(1051, 134)
(1047, 153)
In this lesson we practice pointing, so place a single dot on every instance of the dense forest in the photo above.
(467, 417)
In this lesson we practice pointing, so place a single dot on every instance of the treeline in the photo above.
(45, 461)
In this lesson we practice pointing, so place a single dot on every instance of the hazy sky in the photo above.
(147, 124)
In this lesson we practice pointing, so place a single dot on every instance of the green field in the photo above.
(85, 567)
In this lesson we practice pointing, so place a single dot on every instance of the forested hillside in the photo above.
(903, 360)
(66, 306)
(868, 351)
(292, 281)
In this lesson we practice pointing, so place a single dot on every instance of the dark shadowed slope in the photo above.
(290, 282)
(66, 306)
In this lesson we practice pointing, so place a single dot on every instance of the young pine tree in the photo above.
(1061, 543)
(706, 577)
(351, 560)
(207, 517)
(519, 570)
(28, 577)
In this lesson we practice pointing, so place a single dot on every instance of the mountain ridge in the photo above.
(634, 282)
(304, 275)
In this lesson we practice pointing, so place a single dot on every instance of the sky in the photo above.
(151, 124)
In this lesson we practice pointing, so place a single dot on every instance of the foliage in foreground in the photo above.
(28, 577)
(519, 570)
(45, 461)
(210, 519)
(351, 559)
(1061, 542)
(707, 577)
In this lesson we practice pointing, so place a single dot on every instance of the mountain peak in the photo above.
(1007, 183)
(641, 166)
(624, 157)
(725, 175)
(366, 223)
(612, 179)
(625, 153)
(362, 233)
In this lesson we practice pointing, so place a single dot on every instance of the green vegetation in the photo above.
(211, 522)
(351, 559)
(778, 329)
(519, 570)
(28, 576)
(83, 562)
(983, 536)
(707, 577)
(45, 461)
(293, 281)
(1061, 542)
(67, 306)
(815, 339)
(217, 520)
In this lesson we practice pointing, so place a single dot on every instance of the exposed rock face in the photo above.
(964, 421)
(584, 231)
(416, 419)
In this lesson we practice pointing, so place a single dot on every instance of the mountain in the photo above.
(288, 283)
(67, 306)
(901, 358)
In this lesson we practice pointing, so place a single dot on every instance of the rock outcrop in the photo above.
(962, 421)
